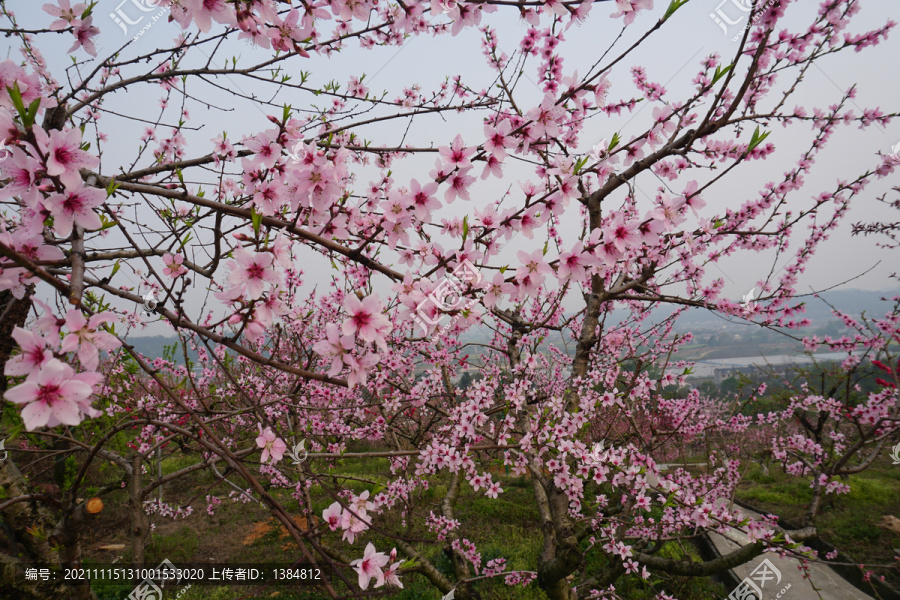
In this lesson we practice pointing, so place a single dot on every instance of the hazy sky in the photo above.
(671, 57)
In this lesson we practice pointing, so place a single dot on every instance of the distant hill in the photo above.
(853, 302)
(155, 346)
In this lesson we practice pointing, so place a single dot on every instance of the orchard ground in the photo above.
(504, 527)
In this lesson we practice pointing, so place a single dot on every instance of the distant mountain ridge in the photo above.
(154, 346)
(853, 302)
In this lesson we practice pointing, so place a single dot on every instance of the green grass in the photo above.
(180, 546)
(506, 527)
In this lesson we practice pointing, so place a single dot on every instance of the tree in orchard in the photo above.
(327, 280)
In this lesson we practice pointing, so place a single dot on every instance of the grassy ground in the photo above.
(245, 533)
(849, 522)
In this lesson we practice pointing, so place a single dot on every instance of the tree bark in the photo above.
(13, 312)
(139, 521)
(65, 536)
(26, 520)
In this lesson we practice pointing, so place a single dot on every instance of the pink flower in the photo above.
(361, 504)
(366, 319)
(459, 185)
(285, 34)
(351, 524)
(457, 154)
(369, 567)
(34, 353)
(493, 490)
(546, 118)
(333, 515)
(359, 367)
(629, 9)
(623, 235)
(334, 347)
(691, 199)
(251, 273)
(174, 266)
(75, 206)
(669, 211)
(20, 170)
(265, 147)
(55, 395)
(571, 264)
(532, 266)
(272, 447)
(83, 34)
(11, 74)
(390, 576)
(65, 156)
(84, 337)
(67, 14)
(202, 12)
(422, 199)
(642, 502)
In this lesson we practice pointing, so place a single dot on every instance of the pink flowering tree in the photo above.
(831, 428)
(327, 280)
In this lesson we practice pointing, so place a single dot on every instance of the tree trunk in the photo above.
(20, 518)
(139, 521)
(13, 312)
(65, 537)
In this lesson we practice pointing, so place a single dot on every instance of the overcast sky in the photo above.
(671, 57)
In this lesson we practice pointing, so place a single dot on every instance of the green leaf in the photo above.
(106, 223)
(465, 227)
(757, 139)
(16, 96)
(111, 187)
(673, 6)
(257, 220)
(720, 73)
(287, 113)
(616, 138)
(579, 164)
(115, 269)
(15, 431)
(32, 113)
